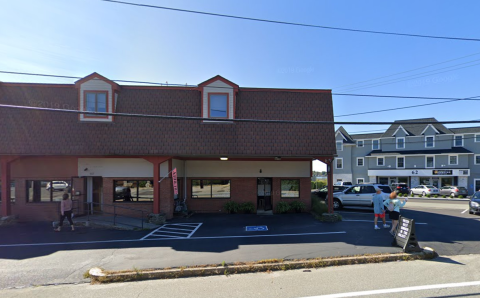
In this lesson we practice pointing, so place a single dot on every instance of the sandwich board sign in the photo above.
(405, 236)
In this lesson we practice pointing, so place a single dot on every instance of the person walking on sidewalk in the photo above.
(378, 208)
(66, 211)
(393, 204)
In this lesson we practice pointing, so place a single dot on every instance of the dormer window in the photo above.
(400, 143)
(375, 144)
(218, 105)
(96, 102)
(458, 141)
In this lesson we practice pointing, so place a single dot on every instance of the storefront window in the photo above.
(290, 188)
(41, 191)
(210, 189)
(447, 181)
(425, 180)
(12, 191)
(133, 191)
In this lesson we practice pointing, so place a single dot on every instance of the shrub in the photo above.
(435, 196)
(318, 206)
(460, 197)
(282, 207)
(400, 194)
(247, 207)
(297, 206)
(444, 196)
(428, 196)
(231, 207)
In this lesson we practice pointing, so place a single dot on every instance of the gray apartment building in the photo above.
(414, 154)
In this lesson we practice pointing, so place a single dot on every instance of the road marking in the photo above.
(161, 239)
(464, 211)
(167, 230)
(398, 290)
(417, 223)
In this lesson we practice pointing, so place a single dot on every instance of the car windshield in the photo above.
(476, 196)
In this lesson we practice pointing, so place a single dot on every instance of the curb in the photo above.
(98, 275)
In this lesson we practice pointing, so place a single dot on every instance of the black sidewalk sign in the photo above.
(405, 236)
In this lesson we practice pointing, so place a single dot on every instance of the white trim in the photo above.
(426, 162)
(404, 160)
(363, 161)
(379, 144)
(454, 141)
(449, 159)
(430, 125)
(339, 132)
(383, 161)
(336, 145)
(358, 180)
(336, 162)
(406, 133)
(363, 143)
(475, 159)
(393, 155)
(400, 138)
(475, 138)
(433, 137)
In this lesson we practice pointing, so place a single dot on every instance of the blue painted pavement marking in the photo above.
(256, 228)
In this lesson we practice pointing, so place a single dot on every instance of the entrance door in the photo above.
(264, 194)
(79, 189)
(94, 193)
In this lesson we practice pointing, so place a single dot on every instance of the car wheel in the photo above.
(424, 194)
(411, 193)
(337, 204)
(452, 195)
(470, 211)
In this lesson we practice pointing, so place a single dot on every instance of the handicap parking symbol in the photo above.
(256, 228)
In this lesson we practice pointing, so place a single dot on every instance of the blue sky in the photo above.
(78, 37)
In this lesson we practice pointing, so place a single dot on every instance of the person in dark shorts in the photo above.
(66, 211)
(393, 205)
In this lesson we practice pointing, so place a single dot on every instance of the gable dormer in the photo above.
(96, 94)
(400, 132)
(430, 130)
(218, 98)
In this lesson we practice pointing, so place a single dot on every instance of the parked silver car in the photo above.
(424, 190)
(358, 195)
(453, 191)
(57, 185)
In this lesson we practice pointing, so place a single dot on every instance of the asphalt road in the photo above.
(456, 276)
(34, 255)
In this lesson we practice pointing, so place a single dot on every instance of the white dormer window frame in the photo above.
(427, 142)
(376, 147)
(455, 144)
(218, 104)
(381, 164)
(401, 144)
(450, 163)
(360, 143)
(218, 100)
(339, 145)
(360, 161)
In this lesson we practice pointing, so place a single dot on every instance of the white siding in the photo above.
(218, 87)
(96, 85)
(219, 169)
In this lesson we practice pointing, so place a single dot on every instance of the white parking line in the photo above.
(398, 290)
(163, 239)
(180, 231)
(417, 223)
(464, 211)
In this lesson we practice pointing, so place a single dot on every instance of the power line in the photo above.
(220, 87)
(398, 73)
(407, 107)
(412, 77)
(224, 120)
(290, 23)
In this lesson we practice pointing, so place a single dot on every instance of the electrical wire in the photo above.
(225, 120)
(290, 23)
(407, 71)
(412, 77)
